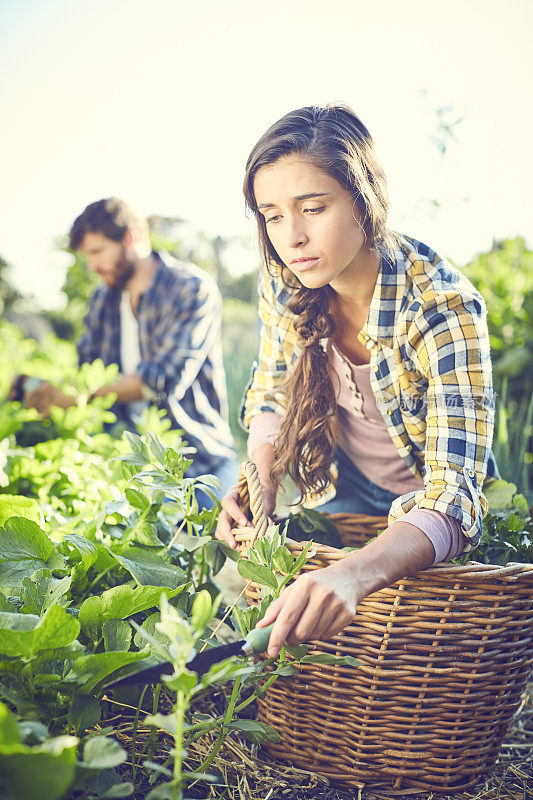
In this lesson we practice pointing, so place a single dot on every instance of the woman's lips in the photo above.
(301, 264)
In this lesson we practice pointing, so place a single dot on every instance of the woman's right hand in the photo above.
(232, 515)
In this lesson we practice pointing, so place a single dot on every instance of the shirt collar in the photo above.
(386, 302)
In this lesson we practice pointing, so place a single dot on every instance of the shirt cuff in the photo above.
(153, 376)
(264, 429)
(444, 532)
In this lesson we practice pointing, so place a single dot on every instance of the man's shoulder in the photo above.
(175, 275)
(103, 298)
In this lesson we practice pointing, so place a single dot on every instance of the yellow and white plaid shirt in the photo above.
(430, 373)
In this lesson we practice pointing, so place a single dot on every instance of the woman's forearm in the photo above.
(400, 550)
(320, 603)
(263, 457)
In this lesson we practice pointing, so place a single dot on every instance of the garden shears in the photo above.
(254, 643)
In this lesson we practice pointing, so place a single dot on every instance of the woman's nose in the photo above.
(297, 236)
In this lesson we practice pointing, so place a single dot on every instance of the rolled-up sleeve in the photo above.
(448, 341)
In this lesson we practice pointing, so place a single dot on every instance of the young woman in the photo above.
(373, 383)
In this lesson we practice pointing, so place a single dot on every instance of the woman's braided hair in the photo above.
(335, 140)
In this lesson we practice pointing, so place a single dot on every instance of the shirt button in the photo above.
(471, 473)
(408, 448)
(375, 367)
(389, 412)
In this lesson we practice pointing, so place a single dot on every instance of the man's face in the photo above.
(111, 260)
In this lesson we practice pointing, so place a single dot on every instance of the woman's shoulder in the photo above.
(430, 276)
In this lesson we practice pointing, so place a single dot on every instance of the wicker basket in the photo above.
(446, 655)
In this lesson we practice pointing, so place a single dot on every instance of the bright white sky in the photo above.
(160, 101)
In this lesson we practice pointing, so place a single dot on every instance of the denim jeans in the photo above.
(355, 493)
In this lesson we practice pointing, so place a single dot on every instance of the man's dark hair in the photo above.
(111, 217)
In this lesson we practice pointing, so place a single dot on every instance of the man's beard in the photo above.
(123, 270)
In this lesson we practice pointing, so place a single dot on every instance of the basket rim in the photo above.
(511, 571)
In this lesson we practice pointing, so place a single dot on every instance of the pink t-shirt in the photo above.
(365, 439)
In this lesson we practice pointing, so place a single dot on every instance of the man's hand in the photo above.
(46, 395)
(316, 606)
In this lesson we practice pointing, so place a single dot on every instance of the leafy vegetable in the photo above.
(507, 528)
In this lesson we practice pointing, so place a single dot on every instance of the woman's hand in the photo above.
(321, 603)
(316, 606)
(231, 513)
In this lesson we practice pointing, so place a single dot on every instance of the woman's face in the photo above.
(311, 221)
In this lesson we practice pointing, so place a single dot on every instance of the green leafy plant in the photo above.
(507, 528)
(33, 764)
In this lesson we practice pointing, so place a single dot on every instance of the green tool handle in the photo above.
(257, 639)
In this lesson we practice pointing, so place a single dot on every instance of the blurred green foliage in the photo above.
(504, 277)
(240, 345)
(8, 294)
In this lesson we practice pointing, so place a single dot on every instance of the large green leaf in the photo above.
(258, 573)
(43, 771)
(6, 605)
(24, 547)
(331, 660)
(137, 499)
(86, 554)
(499, 494)
(117, 634)
(42, 590)
(25, 635)
(255, 731)
(84, 712)
(151, 569)
(105, 785)
(90, 670)
(120, 602)
(100, 752)
(18, 506)
(9, 732)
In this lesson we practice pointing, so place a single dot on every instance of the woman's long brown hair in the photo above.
(335, 140)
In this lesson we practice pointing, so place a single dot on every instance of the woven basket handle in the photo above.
(250, 498)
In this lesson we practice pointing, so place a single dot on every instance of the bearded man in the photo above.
(160, 321)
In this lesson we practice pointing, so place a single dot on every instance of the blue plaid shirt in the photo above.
(180, 318)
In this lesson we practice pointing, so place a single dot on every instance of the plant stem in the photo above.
(135, 725)
(179, 710)
(202, 572)
(223, 731)
(153, 733)
(99, 578)
(203, 728)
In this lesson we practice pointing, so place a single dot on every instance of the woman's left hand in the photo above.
(316, 606)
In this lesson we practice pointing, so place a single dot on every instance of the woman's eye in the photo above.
(274, 219)
(315, 210)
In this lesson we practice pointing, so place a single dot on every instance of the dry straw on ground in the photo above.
(246, 772)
